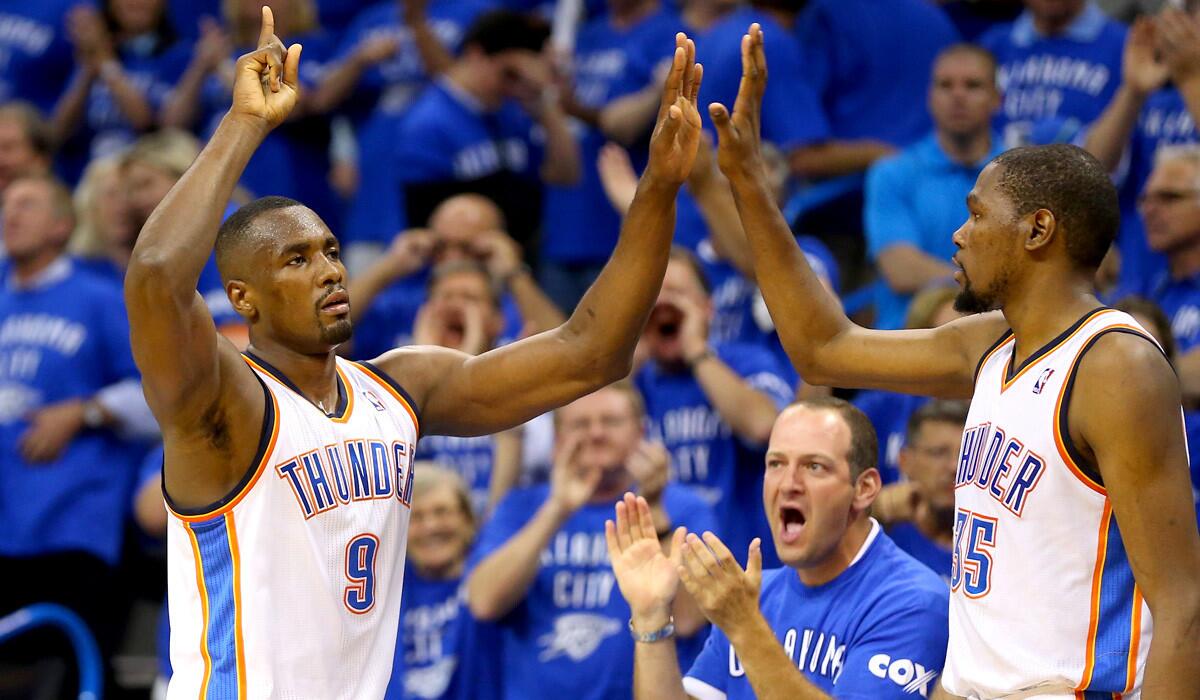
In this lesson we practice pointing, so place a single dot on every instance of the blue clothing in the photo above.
(919, 547)
(1180, 301)
(1068, 77)
(872, 632)
(579, 224)
(870, 74)
(705, 454)
(64, 338)
(889, 413)
(381, 97)
(441, 652)
(1163, 121)
(569, 637)
(1191, 421)
(38, 59)
(918, 197)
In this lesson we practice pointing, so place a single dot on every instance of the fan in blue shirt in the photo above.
(38, 59)
(916, 199)
(712, 406)
(541, 569)
(1058, 62)
(442, 652)
(849, 615)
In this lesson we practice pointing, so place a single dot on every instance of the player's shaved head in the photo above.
(1071, 184)
(246, 230)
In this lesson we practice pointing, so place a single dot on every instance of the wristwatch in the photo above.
(666, 632)
(93, 414)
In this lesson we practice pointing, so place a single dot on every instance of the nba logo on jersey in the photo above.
(1041, 382)
(374, 400)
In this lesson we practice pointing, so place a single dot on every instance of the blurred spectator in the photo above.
(541, 567)
(711, 405)
(848, 615)
(68, 392)
(1156, 105)
(889, 412)
(126, 61)
(615, 54)
(385, 57)
(917, 199)
(489, 125)
(441, 649)
(38, 60)
(26, 143)
(104, 231)
(1060, 63)
(293, 161)
(918, 512)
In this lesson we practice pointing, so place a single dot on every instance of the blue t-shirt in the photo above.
(442, 652)
(869, 71)
(889, 413)
(876, 631)
(579, 223)
(1068, 77)
(569, 637)
(1180, 301)
(918, 197)
(37, 58)
(65, 338)
(705, 454)
(381, 97)
(919, 547)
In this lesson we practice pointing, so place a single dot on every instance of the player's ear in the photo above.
(1043, 227)
(242, 299)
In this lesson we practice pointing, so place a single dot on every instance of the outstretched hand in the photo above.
(739, 141)
(677, 131)
(648, 579)
(725, 593)
(267, 83)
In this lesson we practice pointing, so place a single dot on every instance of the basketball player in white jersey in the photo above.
(289, 470)
(1074, 532)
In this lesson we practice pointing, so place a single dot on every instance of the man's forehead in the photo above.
(283, 229)
(801, 429)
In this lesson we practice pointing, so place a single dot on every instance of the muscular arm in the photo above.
(1130, 423)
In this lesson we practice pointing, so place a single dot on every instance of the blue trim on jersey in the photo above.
(1116, 617)
(343, 391)
(216, 563)
(1096, 695)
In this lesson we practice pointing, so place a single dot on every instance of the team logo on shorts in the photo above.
(577, 635)
(1041, 382)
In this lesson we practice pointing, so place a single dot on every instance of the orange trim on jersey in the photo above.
(239, 644)
(1006, 383)
(1135, 638)
(203, 612)
(395, 394)
(258, 470)
(1089, 652)
(1000, 346)
(349, 397)
(344, 417)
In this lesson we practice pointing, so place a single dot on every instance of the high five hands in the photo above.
(677, 131)
(739, 142)
(267, 80)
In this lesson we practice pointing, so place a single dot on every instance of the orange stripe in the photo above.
(998, 348)
(1097, 575)
(1135, 639)
(395, 394)
(203, 612)
(1004, 384)
(239, 643)
(258, 471)
(349, 398)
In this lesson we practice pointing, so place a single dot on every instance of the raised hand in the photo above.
(266, 81)
(725, 593)
(572, 484)
(739, 138)
(1141, 68)
(648, 579)
(677, 132)
(1178, 35)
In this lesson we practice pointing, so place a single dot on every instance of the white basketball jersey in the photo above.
(291, 587)
(1043, 602)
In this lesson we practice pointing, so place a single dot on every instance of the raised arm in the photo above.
(194, 381)
(460, 395)
(1142, 72)
(825, 346)
(1134, 430)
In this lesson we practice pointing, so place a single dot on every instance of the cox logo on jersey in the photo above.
(910, 675)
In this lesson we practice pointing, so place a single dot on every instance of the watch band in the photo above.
(657, 635)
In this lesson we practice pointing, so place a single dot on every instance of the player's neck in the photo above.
(840, 558)
(314, 375)
(1038, 310)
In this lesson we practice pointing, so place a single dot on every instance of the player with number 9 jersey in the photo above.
(328, 493)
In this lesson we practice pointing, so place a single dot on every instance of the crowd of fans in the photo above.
(475, 159)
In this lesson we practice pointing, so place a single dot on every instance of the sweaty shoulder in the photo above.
(1126, 372)
(417, 368)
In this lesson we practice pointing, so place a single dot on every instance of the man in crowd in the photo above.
(541, 569)
(25, 147)
(848, 615)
